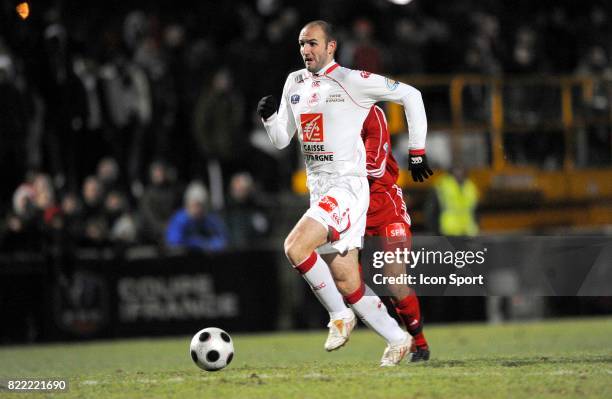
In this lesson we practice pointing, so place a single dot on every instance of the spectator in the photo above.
(127, 91)
(595, 62)
(120, 222)
(13, 126)
(407, 53)
(95, 224)
(193, 226)
(72, 211)
(90, 141)
(149, 54)
(107, 173)
(48, 212)
(247, 222)
(160, 199)
(527, 52)
(93, 196)
(483, 47)
(596, 136)
(218, 131)
(365, 53)
(22, 231)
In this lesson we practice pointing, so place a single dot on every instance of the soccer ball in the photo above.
(212, 349)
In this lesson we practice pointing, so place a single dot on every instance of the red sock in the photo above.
(410, 312)
(353, 298)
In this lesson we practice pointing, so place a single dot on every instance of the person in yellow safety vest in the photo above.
(457, 198)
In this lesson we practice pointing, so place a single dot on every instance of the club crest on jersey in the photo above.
(312, 127)
(314, 99)
(395, 232)
(295, 99)
(391, 84)
(365, 74)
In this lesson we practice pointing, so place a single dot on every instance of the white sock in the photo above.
(373, 313)
(316, 273)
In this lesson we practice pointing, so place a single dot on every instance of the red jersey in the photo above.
(387, 210)
(381, 167)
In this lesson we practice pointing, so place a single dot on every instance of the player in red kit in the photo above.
(388, 218)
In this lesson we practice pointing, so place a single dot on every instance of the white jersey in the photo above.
(328, 110)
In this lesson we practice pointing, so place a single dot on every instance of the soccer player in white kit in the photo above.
(326, 105)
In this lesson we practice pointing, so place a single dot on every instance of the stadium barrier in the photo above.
(102, 294)
(106, 296)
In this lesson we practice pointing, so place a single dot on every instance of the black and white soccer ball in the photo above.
(212, 349)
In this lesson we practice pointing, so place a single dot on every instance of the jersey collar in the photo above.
(327, 68)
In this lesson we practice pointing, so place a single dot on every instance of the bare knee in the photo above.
(296, 251)
(305, 237)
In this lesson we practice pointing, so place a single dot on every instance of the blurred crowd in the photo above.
(121, 121)
(103, 214)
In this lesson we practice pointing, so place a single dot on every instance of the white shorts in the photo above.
(340, 204)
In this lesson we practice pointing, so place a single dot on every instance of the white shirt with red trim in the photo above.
(328, 110)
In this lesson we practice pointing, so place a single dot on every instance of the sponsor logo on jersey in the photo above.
(391, 84)
(313, 147)
(316, 83)
(312, 127)
(299, 79)
(316, 152)
(295, 99)
(395, 232)
(319, 157)
(365, 74)
(335, 98)
(328, 204)
(314, 99)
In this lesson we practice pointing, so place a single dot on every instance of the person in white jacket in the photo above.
(326, 105)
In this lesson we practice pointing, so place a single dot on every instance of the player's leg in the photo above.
(300, 245)
(390, 221)
(305, 237)
(370, 309)
(404, 298)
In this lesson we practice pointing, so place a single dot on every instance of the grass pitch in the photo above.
(554, 359)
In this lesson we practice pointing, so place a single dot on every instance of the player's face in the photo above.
(315, 51)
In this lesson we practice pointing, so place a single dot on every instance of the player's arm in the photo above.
(279, 124)
(376, 141)
(371, 88)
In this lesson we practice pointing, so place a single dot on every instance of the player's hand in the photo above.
(266, 107)
(419, 168)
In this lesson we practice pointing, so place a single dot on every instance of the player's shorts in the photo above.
(340, 204)
(388, 217)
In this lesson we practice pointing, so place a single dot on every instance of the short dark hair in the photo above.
(326, 27)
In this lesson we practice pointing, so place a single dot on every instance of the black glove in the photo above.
(419, 168)
(266, 107)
